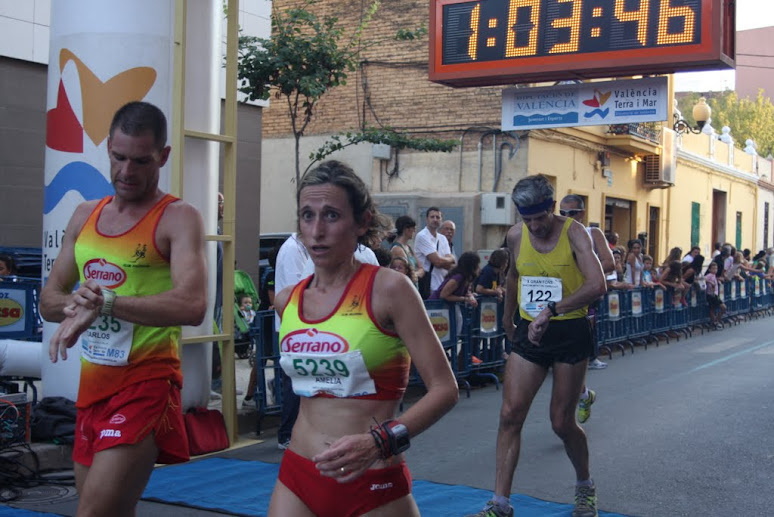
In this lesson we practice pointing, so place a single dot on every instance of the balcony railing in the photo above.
(646, 130)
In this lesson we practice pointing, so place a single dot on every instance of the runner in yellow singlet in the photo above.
(139, 259)
(553, 277)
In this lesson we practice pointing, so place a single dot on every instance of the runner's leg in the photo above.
(285, 502)
(116, 479)
(522, 382)
(568, 380)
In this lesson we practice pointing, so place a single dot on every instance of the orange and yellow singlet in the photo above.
(345, 354)
(116, 353)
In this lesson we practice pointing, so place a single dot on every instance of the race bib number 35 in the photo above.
(340, 375)
(537, 291)
(108, 341)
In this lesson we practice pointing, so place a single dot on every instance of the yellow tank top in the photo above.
(116, 353)
(541, 273)
(347, 354)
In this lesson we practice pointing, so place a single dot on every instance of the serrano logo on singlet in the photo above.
(105, 273)
(313, 341)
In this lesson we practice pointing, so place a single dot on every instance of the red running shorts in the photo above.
(128, 417)
(326, 497)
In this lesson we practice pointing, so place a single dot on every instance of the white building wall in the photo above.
(24, 29)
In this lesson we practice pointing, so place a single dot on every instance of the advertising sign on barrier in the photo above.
(694, 299)
(658, 296)
(721, 293)
(757, 286)
(488, 317)
(439, 318)
(636, 303)
(743, 289)
(613, 306)
(13, 311)
(733, 290)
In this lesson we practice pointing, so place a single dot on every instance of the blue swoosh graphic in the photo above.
(600, 112)
(80, 177)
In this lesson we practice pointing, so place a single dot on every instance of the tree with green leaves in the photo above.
(306, 56)
(747, 118)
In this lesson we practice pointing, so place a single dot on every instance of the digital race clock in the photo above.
(487, 42)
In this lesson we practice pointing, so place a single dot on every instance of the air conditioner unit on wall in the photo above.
(660, 169)
(496, 209)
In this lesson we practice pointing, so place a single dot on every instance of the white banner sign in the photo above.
(586, 104)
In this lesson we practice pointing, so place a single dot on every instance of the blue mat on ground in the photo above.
(244, 487)
(8, 511)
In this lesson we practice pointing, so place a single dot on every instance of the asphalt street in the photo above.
(683, 429)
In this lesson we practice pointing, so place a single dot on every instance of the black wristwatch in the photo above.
(552, 308)
(397, 436)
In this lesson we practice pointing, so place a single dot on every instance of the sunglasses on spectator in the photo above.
(571, 212)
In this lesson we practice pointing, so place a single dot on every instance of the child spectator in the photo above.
(716, 307)
(402, 265)
(246, 308)
(490, 281)
(647, 271)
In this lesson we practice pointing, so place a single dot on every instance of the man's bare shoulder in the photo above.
(81, 214)
(514, 235)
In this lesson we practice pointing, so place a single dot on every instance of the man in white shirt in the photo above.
(291, 259)
(432, 249)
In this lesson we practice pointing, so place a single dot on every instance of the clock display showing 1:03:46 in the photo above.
(494, 30)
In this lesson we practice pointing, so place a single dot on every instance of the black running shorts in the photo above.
(565, 341)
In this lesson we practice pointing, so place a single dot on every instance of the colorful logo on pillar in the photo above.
(84, 110)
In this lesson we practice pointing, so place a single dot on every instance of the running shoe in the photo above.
(584, 407)
(585, 501)
(283, 445)
(596, 364)
(490, 510)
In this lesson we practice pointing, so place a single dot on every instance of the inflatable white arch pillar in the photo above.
(102, 55)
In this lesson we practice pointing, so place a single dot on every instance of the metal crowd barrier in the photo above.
(474, 340)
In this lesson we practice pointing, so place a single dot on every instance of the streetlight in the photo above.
(701, 114)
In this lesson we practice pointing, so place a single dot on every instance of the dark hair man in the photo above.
(139, 258)
(554, 275)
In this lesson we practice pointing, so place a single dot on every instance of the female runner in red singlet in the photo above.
(346, 336)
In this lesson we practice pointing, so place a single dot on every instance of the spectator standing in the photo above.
(716, 250)
(647, 271)
(448, 229)
(457, 284)
(716, 307)
(633, 264)
(433, 252)
(612, 239)
(720, 260)
(291, 260)
(406, 228)
(674, 255)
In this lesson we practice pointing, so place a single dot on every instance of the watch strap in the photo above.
(109, 298)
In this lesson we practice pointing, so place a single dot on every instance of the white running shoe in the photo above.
(596, 364)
